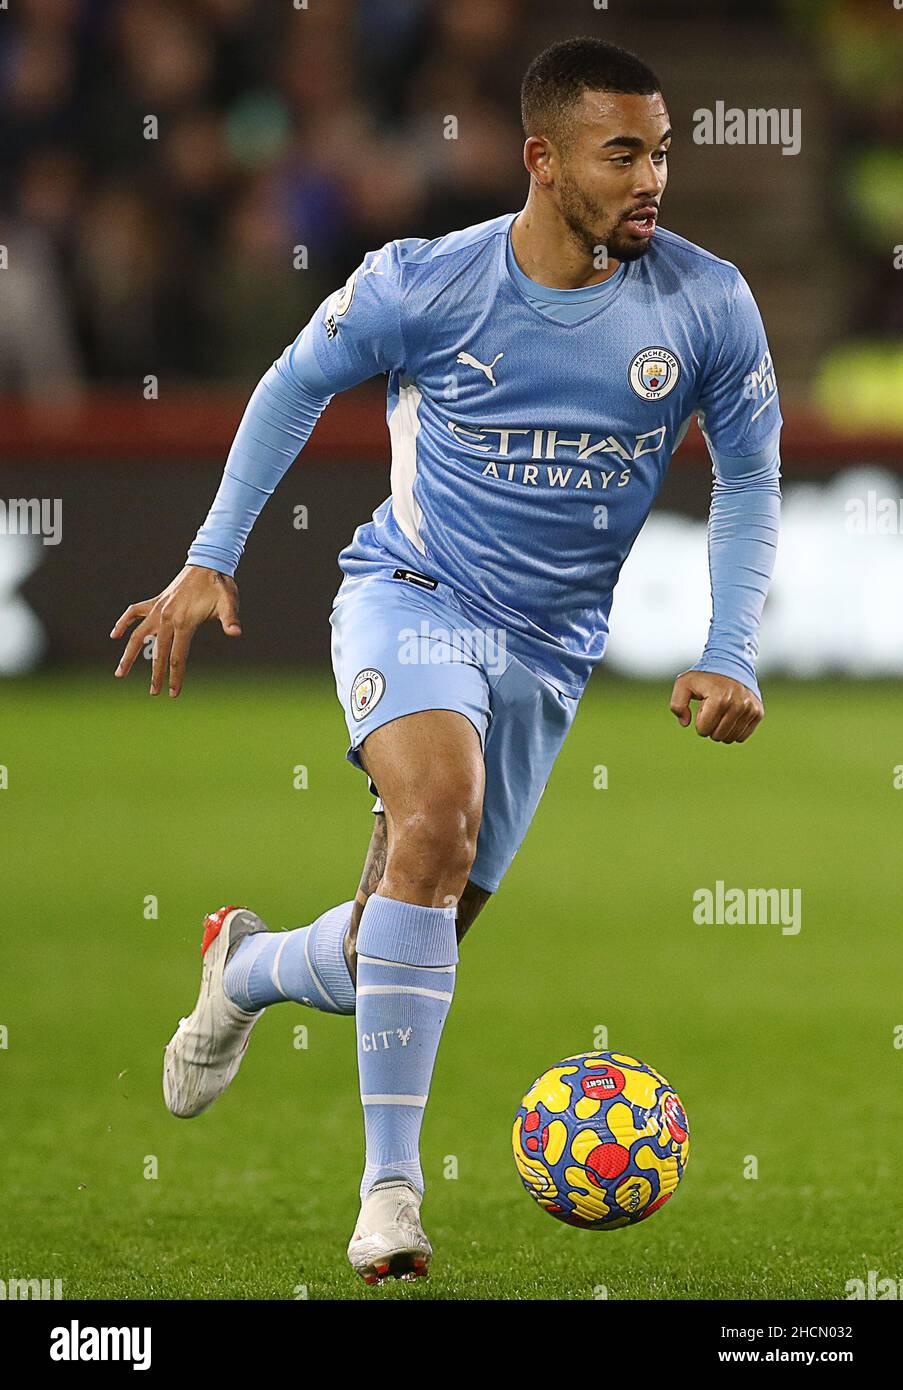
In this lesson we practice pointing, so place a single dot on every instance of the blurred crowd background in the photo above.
(183, 181)
(325, 128)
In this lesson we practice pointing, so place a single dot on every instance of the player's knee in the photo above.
(434, 846)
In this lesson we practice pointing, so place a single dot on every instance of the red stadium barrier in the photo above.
(195, 424)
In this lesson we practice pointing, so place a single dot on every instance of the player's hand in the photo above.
(173, 617)
(728, 711)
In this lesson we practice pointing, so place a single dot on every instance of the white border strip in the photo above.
(401, 989)
(394, 1100)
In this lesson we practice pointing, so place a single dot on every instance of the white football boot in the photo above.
(388, 1240)
(205, 1052)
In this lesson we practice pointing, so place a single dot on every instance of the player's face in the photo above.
(613, 172)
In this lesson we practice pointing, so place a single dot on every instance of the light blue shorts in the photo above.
(403, 644)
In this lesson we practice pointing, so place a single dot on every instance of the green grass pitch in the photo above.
(782, 1047)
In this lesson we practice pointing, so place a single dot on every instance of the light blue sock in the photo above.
(406, 959)
(307, 965)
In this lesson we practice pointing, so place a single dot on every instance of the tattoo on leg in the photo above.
(374, 868)
(470, 904)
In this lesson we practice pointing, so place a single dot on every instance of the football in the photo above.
(601, 1140)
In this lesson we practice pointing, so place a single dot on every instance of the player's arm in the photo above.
(741, 421)
(355, 334)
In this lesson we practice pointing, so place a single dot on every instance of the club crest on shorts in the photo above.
(653, 373)
(367, 690)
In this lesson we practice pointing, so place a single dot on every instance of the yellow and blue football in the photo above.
(601, 1140)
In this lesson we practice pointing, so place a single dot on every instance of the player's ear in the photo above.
(538, 158)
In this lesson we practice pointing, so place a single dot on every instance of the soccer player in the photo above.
(542, 369)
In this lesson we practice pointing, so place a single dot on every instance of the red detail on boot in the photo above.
(213, 925)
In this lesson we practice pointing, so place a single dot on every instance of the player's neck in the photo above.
(546, 251)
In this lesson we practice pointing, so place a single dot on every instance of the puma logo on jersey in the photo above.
(466, 360)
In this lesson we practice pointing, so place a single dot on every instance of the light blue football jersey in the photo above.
(527, 451)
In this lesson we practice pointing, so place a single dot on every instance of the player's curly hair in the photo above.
(558, 77)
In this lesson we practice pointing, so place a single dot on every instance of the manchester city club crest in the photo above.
(654, 372)
(366, 692)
